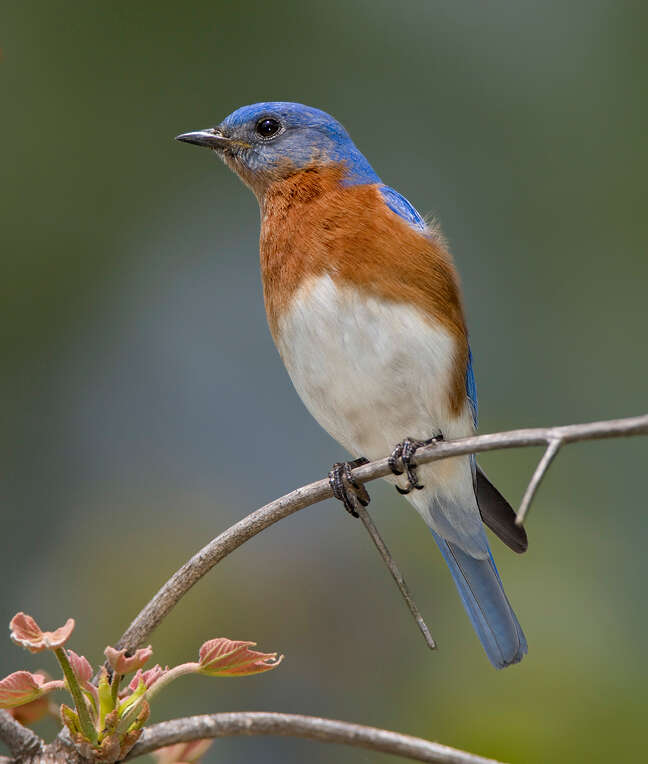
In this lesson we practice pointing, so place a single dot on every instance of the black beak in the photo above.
(210, 138)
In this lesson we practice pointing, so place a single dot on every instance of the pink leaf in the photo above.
(81, 667)
(22, 687)
(27, 633)
(148, 677)
(122, 663)
(182, 753)
(226, 657)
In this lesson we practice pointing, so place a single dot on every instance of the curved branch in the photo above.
(296, 725)
(18, 739)
(541, 470)
(211, 554)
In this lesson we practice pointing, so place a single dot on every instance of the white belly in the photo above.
(373, 373)
(370, 372)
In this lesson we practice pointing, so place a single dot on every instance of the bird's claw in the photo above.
(346, 488)
(401, 457)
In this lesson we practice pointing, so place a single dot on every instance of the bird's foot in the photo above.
(345, 488)
(401, 457)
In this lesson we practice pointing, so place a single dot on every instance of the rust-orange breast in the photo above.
(312, 225)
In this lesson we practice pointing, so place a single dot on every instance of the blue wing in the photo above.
(398, 203)
(471, 388)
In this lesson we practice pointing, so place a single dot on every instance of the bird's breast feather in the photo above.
(313, 225)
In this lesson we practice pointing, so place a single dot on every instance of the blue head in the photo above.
(268, 141)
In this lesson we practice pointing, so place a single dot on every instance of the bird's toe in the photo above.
(346, 488)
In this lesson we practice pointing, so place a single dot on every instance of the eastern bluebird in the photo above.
(364, 305)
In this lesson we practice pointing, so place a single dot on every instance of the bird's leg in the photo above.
(345, 488)
(401, 458)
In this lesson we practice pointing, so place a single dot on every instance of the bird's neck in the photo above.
(343, 168)
(295, 215)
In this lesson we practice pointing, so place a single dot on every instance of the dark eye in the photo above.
(267, 127)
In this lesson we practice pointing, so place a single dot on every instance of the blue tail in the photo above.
(483, 597)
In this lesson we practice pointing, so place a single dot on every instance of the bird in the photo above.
(363, 302)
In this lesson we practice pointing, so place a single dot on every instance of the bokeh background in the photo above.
(145, 409)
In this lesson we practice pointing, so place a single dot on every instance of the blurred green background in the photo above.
(145, 409)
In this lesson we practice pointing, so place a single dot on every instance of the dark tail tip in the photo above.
(498, 514)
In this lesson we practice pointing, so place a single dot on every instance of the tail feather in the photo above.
(498, 514)
(489, 610)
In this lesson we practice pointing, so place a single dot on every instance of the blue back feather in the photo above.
(398, 203)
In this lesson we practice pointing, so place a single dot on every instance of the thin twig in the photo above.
(541, 469)
(296, 725)
(211, 554)
(18, 739)
(396, 574)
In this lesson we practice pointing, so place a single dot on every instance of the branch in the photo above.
(18, 739)
(211, 554)
(541, 470)
(295, 725)
(396, 574)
